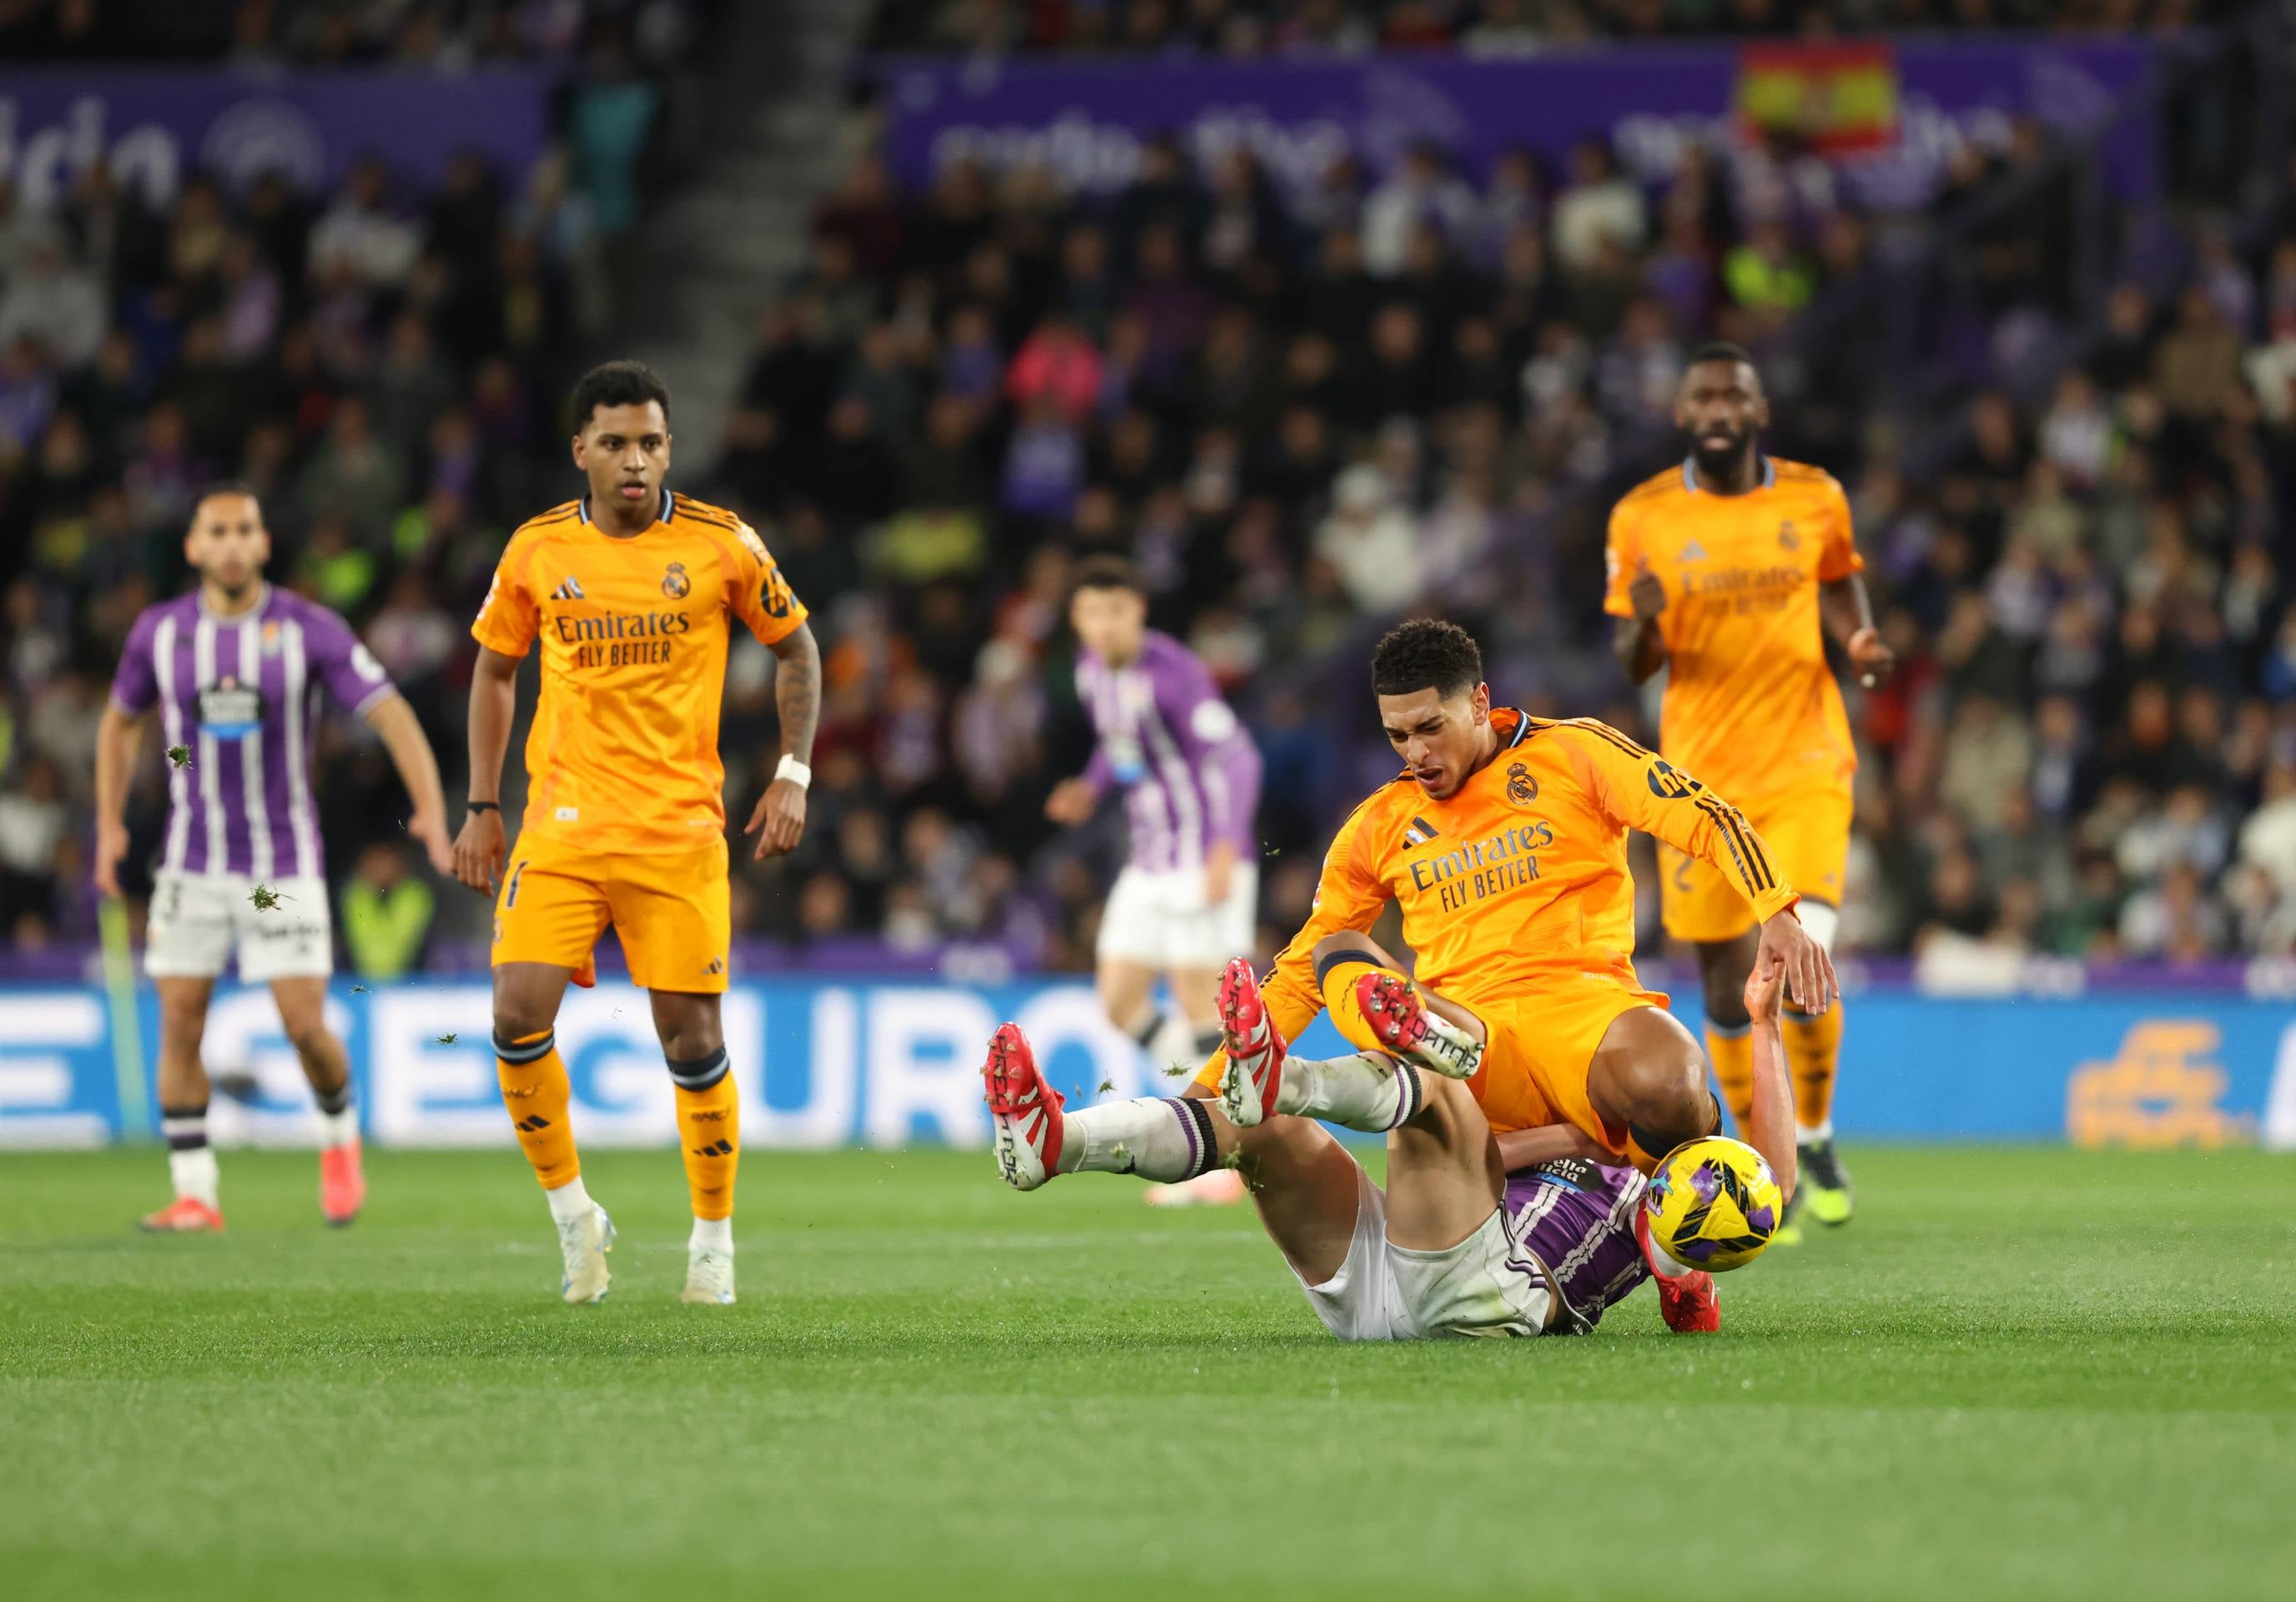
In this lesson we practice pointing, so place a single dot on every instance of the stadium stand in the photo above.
(1489, 28)
(2067, 426)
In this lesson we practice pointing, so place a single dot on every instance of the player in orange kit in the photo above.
(1730, 571)
(631, 591)
(1503, 842)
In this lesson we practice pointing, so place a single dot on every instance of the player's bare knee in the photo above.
(688, 1026)
(1666, 1090)
(520, 1017)
(182, 1017)
(1350, 945)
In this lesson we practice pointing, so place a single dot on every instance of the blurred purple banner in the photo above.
(1085, 122)
(157, 128)
(861, 957)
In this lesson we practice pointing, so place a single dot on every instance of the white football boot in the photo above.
(583, 1242)
(709, 1278)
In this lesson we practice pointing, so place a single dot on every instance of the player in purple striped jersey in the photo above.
(1526, 1232)
(235, 671)
(1183, 903)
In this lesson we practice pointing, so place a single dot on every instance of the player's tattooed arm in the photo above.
(797, 690)
(778, 819)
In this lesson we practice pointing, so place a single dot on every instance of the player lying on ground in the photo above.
(1734, 567)
(233, 669)
(633, 592)
(1186, 900)
(1521, 1233)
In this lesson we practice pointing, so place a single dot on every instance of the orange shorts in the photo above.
(672, 910)
(1808, 833)
(1542, 1037)
(1542, 1044)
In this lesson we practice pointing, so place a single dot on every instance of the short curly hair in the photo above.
(1426, 653)
(617, 383)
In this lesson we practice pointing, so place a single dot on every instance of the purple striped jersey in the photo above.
(1191, 773)
(242, 695)
(1577, 1217)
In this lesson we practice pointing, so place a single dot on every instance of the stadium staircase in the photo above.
(771, 145)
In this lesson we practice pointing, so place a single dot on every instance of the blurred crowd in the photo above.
(1494, 29)
(1302, 416)
(385, 363)
(657, 36)
(1404, 391)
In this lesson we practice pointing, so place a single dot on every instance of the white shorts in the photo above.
(197, 919)
(1487, 1285)
(1159, 918)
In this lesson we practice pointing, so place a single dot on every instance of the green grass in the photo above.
(2018, 1374)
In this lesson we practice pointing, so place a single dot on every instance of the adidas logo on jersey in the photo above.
(1419, 833)
(1692, 552)
(569, 588)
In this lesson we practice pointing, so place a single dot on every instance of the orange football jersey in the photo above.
(1751, 704)
(1522, 871)
(623, 755)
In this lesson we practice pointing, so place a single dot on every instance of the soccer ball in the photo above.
(1713, 1203)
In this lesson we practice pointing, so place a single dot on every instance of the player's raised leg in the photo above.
(1375, 1006)
(1305, 1185)
(198, 1206)
(1460, 1264)
(302, 1003)
(1370, 1090)
(1194, 990)
(1165, 1138)
(536, 1092)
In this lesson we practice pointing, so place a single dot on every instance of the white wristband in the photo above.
(796, 772)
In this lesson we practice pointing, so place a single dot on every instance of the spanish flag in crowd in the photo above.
(1838, 99)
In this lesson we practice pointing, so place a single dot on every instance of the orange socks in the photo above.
(710, 1127)
(533, 1078)
(1338, 983)
(1731, 1051)
(1813, 1058)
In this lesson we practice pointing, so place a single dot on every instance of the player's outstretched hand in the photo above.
(1872, 660)
(429, 829)
(778, 820)
(479, 851)
(1808, 970)
(1071, 801)
(110, 846)
(1765, 988)
(1647, 593)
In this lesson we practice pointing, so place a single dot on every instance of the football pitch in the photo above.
(2028, 1374)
